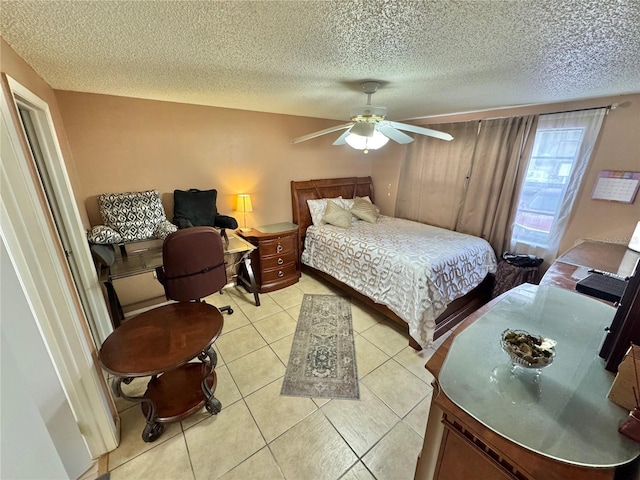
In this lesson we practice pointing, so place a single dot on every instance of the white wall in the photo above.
(39, 437)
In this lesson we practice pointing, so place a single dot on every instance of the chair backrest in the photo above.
(193, 261)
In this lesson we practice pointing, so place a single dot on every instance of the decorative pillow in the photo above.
(364, 210)
(336, 215)
(196, 206)
(104, 235)
(134, 215)
(348, 202)
(163, 229)
(317, 207)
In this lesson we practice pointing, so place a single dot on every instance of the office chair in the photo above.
(193, 265)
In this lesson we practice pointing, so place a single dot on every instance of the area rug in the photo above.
(323, 358)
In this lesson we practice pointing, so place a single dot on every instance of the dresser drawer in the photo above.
(277, 261)
(277, 246)
(274, 275)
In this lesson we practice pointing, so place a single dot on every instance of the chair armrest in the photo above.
(224, 221)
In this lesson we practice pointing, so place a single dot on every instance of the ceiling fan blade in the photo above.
(341, 140)
(421, 131)
(395, 135)
(322, 132)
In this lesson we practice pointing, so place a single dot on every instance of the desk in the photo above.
(608, 257)
(148, 259)
(160, 343)
(457, 445)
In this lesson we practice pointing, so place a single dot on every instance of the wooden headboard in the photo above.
(302, 191)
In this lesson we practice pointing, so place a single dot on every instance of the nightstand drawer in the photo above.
(278, 261)
(278, 274)
(277, 246)
(275, 261)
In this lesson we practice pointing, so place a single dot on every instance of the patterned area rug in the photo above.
(323, 358)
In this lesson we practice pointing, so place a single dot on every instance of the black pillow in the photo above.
(196, 206)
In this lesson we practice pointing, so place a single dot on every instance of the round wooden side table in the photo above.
(161, 343)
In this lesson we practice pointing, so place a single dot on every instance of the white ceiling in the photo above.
(308, 57)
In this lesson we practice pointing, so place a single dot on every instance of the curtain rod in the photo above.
(609, 107)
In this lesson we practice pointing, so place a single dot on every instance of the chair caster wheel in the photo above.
(230, 311)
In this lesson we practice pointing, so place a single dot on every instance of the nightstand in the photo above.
(275, 260)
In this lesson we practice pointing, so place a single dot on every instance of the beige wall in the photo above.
(14, 66)
(618, 148)
(126, 144)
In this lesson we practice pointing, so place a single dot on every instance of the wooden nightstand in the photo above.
(275, 260)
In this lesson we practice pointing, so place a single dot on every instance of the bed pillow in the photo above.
(364, 210)
(317, 207)
(347, 203)
(334, 214)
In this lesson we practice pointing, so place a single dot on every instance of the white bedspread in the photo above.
(416, 270)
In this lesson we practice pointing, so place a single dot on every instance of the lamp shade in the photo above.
(377, 140)
(244, 203)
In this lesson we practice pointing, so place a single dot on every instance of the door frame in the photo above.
(36, 251)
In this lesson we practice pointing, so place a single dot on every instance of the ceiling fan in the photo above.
(368, 129)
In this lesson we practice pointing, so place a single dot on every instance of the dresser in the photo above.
(486, 424)
(275, 260)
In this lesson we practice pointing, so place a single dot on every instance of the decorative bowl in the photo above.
(528, 350)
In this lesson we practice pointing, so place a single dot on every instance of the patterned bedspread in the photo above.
(416, 270)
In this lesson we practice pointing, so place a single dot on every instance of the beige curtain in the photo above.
(433, 175)
(498, 164)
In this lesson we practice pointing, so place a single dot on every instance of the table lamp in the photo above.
(244, 206)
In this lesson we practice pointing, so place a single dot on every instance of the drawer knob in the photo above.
(280, 261)
(280, 274)
(279, 248)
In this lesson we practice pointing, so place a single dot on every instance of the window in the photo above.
(561, 150)
(553, 156)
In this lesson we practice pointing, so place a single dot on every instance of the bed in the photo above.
(426, 290)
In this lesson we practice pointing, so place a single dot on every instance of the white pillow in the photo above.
(347, 203)
(317, 207)
(334, 214)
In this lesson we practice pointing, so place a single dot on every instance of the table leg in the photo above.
(115, 309)
(252, 279)
(210, 357)
(212, 404)
(152, 429)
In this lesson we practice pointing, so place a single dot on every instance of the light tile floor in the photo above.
(260, 434)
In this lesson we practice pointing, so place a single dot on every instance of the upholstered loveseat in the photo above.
(130, 217)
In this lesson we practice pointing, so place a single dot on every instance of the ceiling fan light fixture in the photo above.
(374, 142)
(368, 129)
(363, 129)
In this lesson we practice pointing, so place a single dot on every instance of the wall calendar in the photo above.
(616, 186)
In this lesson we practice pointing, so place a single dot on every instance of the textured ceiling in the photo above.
(308, 57)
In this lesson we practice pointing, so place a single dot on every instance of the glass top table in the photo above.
(560, 411)
(148, 260)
